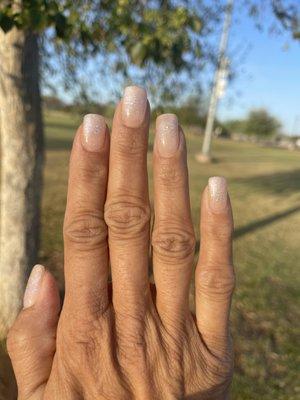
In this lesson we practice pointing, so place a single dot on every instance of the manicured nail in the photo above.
(33, 286)
(93, 132)
(134, 105)
(167, 134)
(217, 187)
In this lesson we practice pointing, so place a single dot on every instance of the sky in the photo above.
(269, 75)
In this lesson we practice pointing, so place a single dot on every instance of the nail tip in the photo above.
(218, 192)
(93, 119)
(217, 180)
(93, 132)
(33, 285)
(135, 88)
(134, 105)
(168, 137)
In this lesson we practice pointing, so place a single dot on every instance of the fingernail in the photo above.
(33, 285)
(167, 134)
(217, 187)
(134, 105)
(93, 132)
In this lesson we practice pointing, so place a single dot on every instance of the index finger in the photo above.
(85, 232)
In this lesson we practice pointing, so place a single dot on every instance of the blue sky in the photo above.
(267, 73)
(271, 76)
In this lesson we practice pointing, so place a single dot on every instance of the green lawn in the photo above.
(265, 191)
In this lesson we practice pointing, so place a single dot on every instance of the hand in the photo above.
(133, 340)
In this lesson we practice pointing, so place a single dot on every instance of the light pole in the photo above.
(218, 85)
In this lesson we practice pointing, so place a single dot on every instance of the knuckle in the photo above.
(173, 244)
(216, 283)
(126, 217)
(86, 229)
(17, 339)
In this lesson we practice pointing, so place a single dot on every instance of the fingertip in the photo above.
(42, 295)
(33, 285)
(169, 136)
(32, 339)
(93, 133)
(134, 106)
(215, 200)
(49, 298)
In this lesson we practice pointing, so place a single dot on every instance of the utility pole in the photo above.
(218, 85)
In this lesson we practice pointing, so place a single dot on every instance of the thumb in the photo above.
(31, 340)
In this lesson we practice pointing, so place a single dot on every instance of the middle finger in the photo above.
(127, 211)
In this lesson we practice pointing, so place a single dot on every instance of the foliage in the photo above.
(261, 123)
(286, 12)
(235, 125)
(149, 42)
(258, 122)
(158, 30)
(191, 111)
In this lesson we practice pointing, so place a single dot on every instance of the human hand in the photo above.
(131, 339)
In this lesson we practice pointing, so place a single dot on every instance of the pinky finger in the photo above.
(214, 277)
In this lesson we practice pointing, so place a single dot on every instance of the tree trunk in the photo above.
(21, 131)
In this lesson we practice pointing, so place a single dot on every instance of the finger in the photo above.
(127, 207)
(214, 278)
(85, 232)
(173, 235)
(31, 340)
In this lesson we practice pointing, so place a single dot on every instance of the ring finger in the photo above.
(173, 234)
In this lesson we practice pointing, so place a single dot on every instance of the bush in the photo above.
(261, 123)
(258, 123)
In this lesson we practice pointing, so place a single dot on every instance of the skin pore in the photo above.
(130, 339)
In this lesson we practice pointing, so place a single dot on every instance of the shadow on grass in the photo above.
(260, 223)
(279, 183)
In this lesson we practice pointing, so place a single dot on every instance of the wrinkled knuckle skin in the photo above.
(17, 340)
(217, 284)
(86, 230)
(173, 244)
(126, 218)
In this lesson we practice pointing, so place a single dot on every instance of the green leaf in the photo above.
(60, 25)
(6, 23)
(296, 35)
(138, 53)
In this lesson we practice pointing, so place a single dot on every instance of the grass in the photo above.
(265, 191)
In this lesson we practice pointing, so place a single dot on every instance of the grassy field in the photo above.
(265, 191)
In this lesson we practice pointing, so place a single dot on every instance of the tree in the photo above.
(158, 33)
(261, 123)
(288, 14)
